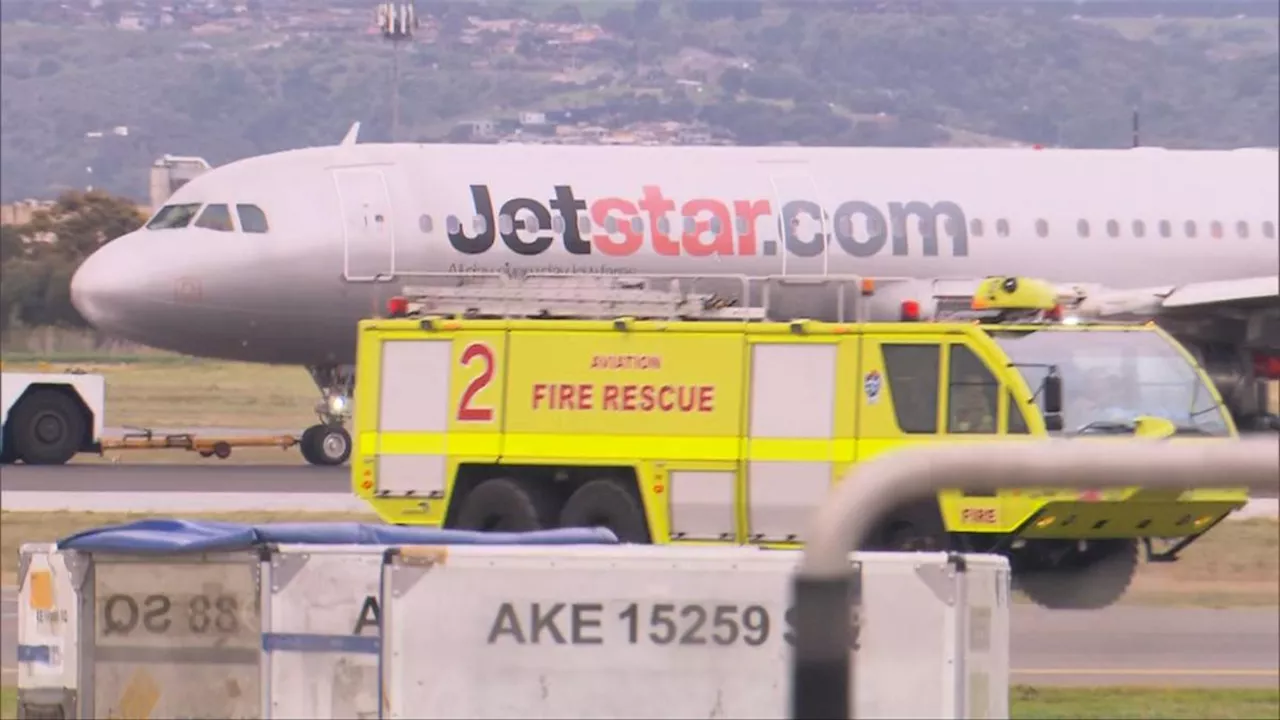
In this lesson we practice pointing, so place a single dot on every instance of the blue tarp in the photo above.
(177, 536)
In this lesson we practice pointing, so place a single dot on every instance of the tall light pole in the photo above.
(397, 21)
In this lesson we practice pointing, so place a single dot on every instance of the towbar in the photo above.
(827, 601)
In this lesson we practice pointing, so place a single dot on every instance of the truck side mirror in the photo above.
(1051, 402)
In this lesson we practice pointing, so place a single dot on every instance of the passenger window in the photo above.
(1269, 230)
(424, 223)
(506, 225)
(557, 225)
(584, 225)
(743, 228)
(912, 373)
(216, 217)
(252, 219)
(637, 225)
(1242, 229)
(1166, 229)
(1139, 229)
(1017, 423)
(1042, 228)
(972, 394)
(453, 224)
(479, 223)
(715, 225)
(690, 226)
(173, 217)
(611, 224)
(1189, 228)
(1082, 228)
(664, 225)
(975, 227)
(1113, 228)
(1002, 227)
(1215, 230)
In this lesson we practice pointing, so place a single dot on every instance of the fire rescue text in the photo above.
(624, 397)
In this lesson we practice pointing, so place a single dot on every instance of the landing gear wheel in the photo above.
(325, 445)
(1096, 580)
(47, 428)
(502, 505)
(607, 503)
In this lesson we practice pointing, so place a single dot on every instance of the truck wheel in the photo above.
(502, 505)
(914, 529)
(607, 503)
(1096, 582)
(47, 428)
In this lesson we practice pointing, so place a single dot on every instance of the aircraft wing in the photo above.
(1240, 297)
(1247, 293)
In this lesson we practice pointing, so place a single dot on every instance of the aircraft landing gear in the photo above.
(329, 443)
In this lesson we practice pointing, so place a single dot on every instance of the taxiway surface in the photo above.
(1123, 645)
(220, 488)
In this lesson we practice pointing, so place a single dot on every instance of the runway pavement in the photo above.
(1117, 646)
(219, 488)
(1120, 645)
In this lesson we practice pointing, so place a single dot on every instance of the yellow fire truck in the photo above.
(496, 404)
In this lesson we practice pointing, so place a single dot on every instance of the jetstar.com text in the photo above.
(623, 226)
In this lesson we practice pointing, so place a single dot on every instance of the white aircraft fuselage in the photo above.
(348, 226)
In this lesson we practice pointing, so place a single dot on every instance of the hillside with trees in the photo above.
(37, 259)
(743, 72)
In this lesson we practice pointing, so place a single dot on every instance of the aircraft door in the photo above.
(804, 232)
(369, 249)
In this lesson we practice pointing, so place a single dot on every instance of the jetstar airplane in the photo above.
(274, 258)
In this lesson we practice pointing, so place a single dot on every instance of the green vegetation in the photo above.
(38, 258)
(1041, 703)
(1029, 703)
(812, 73)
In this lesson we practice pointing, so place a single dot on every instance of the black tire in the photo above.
(8, 455)
(329, 445)
(48, 428)
(307, 444)
(607, 503)
(502, 505)
(915, 529)
(1095, 583)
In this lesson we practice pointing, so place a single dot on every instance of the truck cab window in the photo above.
(972, 394)
(252, 219)
(912, 373)
(1017, 423)
(216, 217)
(173, 217)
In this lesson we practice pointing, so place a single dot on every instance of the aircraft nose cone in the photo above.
(99, 285)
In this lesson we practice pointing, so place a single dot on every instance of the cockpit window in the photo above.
(172, 217)
(216, 217)
(252, 219)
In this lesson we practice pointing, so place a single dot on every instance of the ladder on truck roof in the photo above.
(831, 298)
(607, 296)
(573, 296)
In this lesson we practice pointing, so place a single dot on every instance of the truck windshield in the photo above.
(1111, 377)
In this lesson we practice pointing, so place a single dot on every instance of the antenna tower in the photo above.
(397, 22)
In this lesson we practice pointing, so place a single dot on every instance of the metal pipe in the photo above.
(827, 601)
